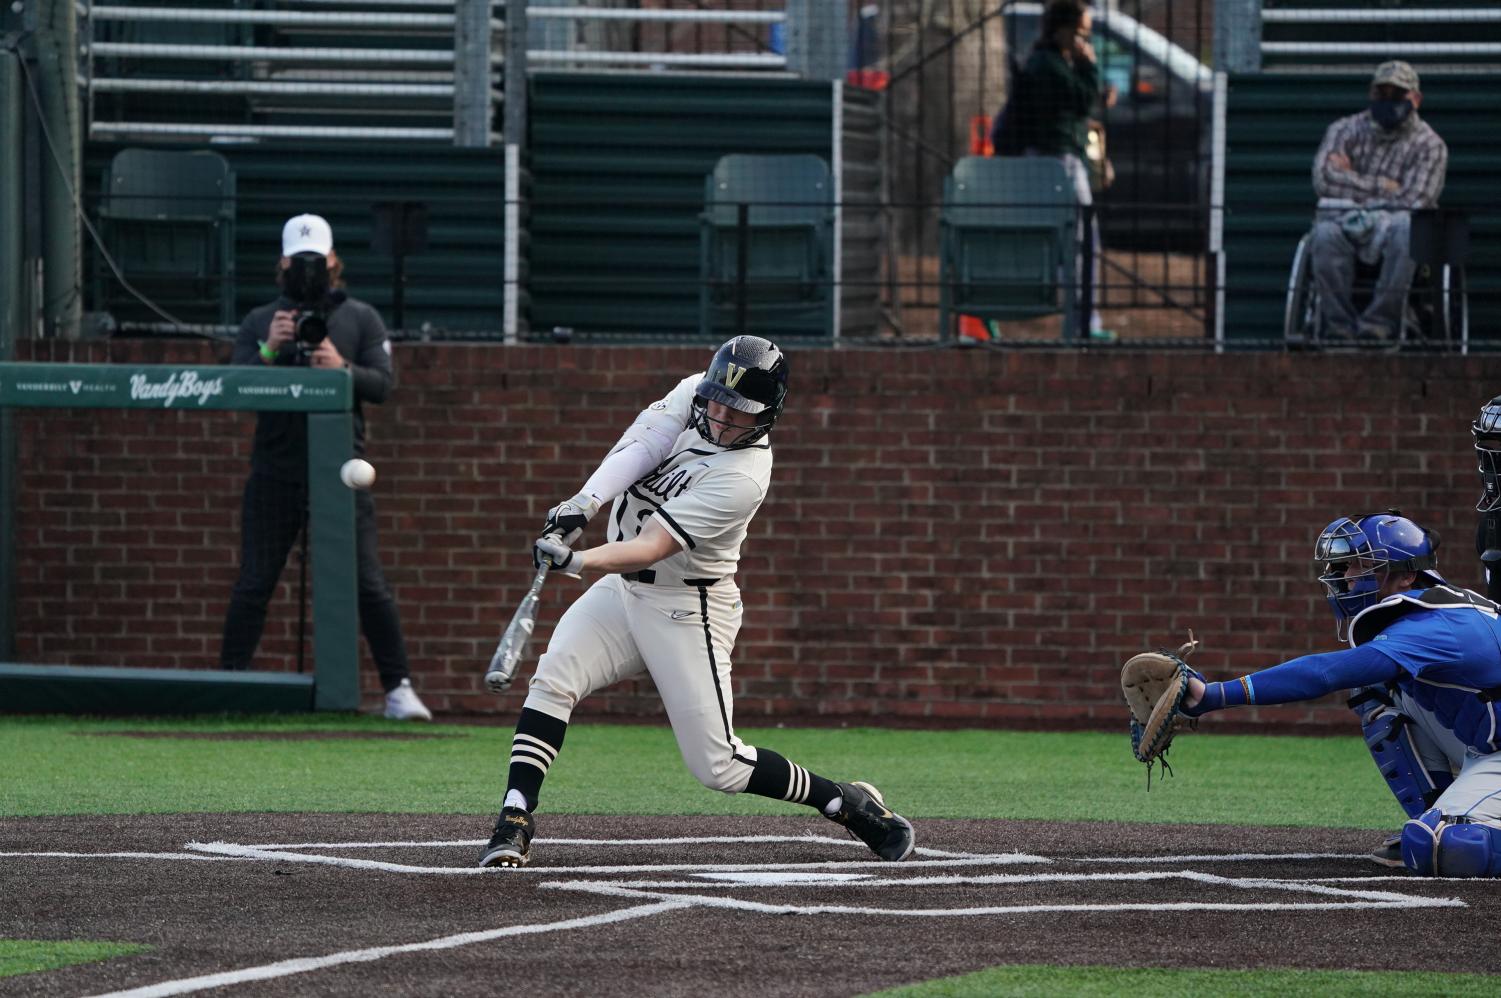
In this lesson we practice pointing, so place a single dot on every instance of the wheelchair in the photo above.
(1437, 315)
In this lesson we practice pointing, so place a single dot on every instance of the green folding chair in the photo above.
(168, 221)
(1008, 242)
(788, 286)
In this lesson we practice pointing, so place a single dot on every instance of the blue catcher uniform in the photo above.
(1426, 668)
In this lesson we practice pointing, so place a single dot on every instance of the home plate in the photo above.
(772, 878)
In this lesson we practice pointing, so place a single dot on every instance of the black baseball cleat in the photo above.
(866, 817)
(511, 845)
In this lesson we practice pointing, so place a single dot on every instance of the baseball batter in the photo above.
(686, 479)
(1425, 664)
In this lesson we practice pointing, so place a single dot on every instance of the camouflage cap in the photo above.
(1396, 73)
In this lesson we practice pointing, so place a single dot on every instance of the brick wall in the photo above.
(951, 537)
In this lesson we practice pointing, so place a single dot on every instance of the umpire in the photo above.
(312, 323)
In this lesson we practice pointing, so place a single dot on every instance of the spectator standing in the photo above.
(1053, 98)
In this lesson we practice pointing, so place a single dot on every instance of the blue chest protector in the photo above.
(1447, 643)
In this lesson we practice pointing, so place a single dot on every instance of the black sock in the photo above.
(538, 739)
(782, 779)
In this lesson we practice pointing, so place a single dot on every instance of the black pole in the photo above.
(398, 264)
(1086, 291)
(302, 596)
(398, 296)
(742, 247)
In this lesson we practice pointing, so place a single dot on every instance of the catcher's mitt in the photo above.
(1154, 684)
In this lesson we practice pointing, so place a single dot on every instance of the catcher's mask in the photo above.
(1487, 433)
(1378, 544)
(748, 374)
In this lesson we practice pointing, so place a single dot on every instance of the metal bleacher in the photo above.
(1439, 36)
(384, 70)
(341, 106)
(278, 69)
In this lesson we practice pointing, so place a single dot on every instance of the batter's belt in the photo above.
(650, 577)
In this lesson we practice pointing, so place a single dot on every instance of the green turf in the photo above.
(1108, 982)
(28, 956)
(607, 769)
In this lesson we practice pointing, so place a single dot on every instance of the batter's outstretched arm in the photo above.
(642, 551)
(644, 444)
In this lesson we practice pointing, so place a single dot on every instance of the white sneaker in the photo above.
(402, 704)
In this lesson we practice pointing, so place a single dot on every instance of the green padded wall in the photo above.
(618, 164)
(1273, 128)
(327, 397)
(71, 689)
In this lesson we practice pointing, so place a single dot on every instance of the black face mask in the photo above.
(307, 278)
(1390, 113)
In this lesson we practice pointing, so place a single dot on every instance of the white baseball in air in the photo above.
(357, 473)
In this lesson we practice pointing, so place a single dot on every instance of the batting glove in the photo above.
(549, 550)
(566, 521)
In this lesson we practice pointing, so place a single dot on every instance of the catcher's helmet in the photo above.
(748, 374)
(1487, 433)
(1380, 543)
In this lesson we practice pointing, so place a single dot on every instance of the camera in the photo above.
(307, 284)
(310, 328)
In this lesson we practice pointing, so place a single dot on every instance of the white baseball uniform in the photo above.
(677, 620)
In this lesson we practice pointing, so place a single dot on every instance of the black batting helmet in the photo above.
(748, 374)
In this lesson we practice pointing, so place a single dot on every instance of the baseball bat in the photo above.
(513, 642)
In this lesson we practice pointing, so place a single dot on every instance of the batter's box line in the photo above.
(304, 965)
(1357, 899)
(679, 840)
(1223, 857)
(194, 856)
(1405, 878)
(347, 862)
(774, 878)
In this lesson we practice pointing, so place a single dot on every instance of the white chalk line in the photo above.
(1235, 857)
(1384, 899)
(683, 840)
(715, 880)
(303, 965)
(742, 904)
(200, 857)
(473, 843)
(813, 875)
(348, 862)
(1407, 878)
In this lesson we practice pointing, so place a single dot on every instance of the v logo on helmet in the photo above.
(732, 375)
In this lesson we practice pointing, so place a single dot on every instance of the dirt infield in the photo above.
(626, 906)
(274, 736)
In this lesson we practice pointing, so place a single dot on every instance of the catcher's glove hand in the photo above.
(1154, 684)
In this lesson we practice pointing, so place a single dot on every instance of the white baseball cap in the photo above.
(306, 234)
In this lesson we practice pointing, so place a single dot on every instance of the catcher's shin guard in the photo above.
(1389, 736)
(1435, 845)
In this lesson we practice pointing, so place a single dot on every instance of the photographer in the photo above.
(313, 323)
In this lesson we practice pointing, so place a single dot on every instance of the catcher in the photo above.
(1424, 663)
